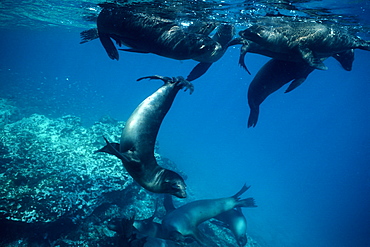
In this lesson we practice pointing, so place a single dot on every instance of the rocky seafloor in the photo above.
(55, 191)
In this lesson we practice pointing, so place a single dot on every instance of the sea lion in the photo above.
(276, 73)
(271, 77)
(183, 222)
(234, 220)
(307, 41)
(136, 148)
(345, 58)
(149, 33)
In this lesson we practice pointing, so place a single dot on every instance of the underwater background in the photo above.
(307, 160)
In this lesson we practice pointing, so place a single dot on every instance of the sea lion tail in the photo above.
(179, 80)
(89, 35)
(253, 117)
(241, 191)
(247, 203)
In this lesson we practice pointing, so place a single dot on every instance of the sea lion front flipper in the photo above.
(294, 84)
(311, 60)
(199, 70)
(243, 52)
(108, 46)
(112, 148)
(134, 50)
(168, 203)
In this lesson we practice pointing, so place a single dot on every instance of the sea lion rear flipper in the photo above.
(179, 80)
(253, 116)
(199, 70)
(247, 203)
(134, 50)
(294, 84)
(89, 35)
(241, 191)
(108, 46)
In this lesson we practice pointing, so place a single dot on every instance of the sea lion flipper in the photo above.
(253, 116)
(294, 84)
(134, 50)
(247, 203)
(241, 191)
(199, 70)
(243, 52)
(179, 80)
(168, 203)
(89, 35)
(310, 59)
(109, 46)
(112, 148)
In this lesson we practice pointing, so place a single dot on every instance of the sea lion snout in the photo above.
(177, 187)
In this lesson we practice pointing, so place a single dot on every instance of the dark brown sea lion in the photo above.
(149, 33)
(345, 58)
(276, 73)
(271, 77)
(183, 222)
(136, 148)
(306, 41)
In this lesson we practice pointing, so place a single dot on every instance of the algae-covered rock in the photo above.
(55, 191)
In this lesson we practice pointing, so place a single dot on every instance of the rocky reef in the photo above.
(55, 191)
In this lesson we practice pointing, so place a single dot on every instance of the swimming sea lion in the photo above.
(271, 77)
(232, 219)
(345, 58)
(276, 73)
(148, 33)
(308, 41)
(183, 221)
(136, 148)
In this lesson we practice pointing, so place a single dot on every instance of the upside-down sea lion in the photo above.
(148, 33)
(237, 223)
(345, 58)
(183, 221)
(136, 148)
(307, 41)
(276, 73)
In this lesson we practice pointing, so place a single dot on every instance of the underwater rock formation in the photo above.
(54, 191)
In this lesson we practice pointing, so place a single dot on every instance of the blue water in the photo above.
(307, 160)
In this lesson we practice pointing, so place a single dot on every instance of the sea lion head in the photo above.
(256, 33)
(174, 184)
(242, 240)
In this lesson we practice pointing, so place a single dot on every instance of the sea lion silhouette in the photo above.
(136, 148)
